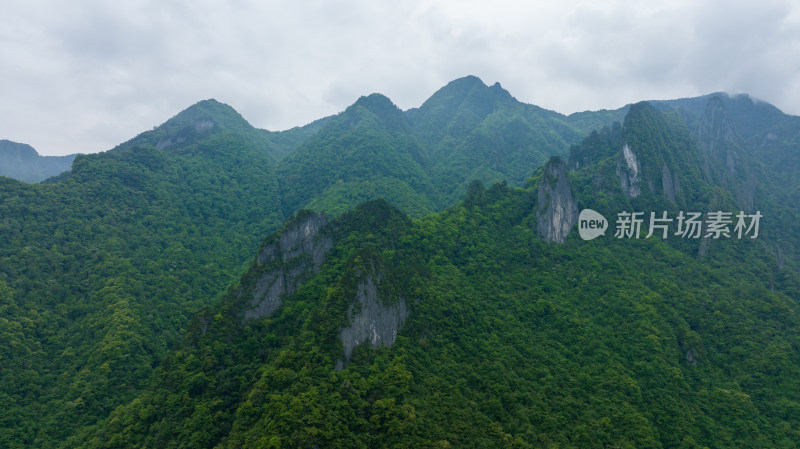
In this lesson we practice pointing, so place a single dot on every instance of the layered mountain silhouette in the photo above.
(421, 282)
(22, 162)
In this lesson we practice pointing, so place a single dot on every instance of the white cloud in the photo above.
(84, 76)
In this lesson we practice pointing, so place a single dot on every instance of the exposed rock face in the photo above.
(299, 240)
(167, 141)
(669, 183)
(373, 323)
(715, 132)
(199, 126)
(628, 169)
(204, 125)
(557, 209)
(267, 294)
(725, 161)
(746, 193)
(702, 251)
(299, 251)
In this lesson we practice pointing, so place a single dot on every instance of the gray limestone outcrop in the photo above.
(557, 209)
(628, 169)
(370, 320)
(298, 252)
(669, 183)
(199, 126)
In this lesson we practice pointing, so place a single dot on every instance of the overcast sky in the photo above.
(83, 76)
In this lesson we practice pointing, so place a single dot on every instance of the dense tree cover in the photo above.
(102, 270)
(369, 144)
(423, 160)
(510, 342)
(105, 264)
(638, 343)
(477, 132)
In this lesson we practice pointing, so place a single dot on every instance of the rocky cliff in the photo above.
(298, 252)
(371, 321)
(628, 169)
(725, 159)
(557, 209)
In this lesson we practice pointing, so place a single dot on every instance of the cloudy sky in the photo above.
(82, 76)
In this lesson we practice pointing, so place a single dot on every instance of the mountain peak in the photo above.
(471, 86)
(469, 81)
(201, 118)
(382, 108)
(203, 113)
(375, 102)
(19, 150)
(462, 102)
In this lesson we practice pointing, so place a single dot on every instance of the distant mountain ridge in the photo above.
(138, 309)
(492, 324)
(466, 130)
(20, 161)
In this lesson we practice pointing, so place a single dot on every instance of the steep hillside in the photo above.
(131, 317)
(750, 149)
(473, 131)
(476, 328)
(103, 268)
(365, 152)
(103, 265)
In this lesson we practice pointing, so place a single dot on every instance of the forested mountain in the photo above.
(138, 309)
(20, 161)
(102, 269)
(423, 159)
(469, 328)
(477, 132)
(367, 151)
(102, 266)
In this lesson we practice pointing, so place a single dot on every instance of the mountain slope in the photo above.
(466, 328)
(368, 328)
(105, 266)
(364, 152)
(478, 334)
(749, 149)
(474, 131)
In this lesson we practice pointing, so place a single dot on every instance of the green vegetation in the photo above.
(370, 143)
(22, 162)
(510, 342)
(124, 283)
(102, 270)
(475, 132)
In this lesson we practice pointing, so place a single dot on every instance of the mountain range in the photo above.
(389, 278)
(22, 162)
